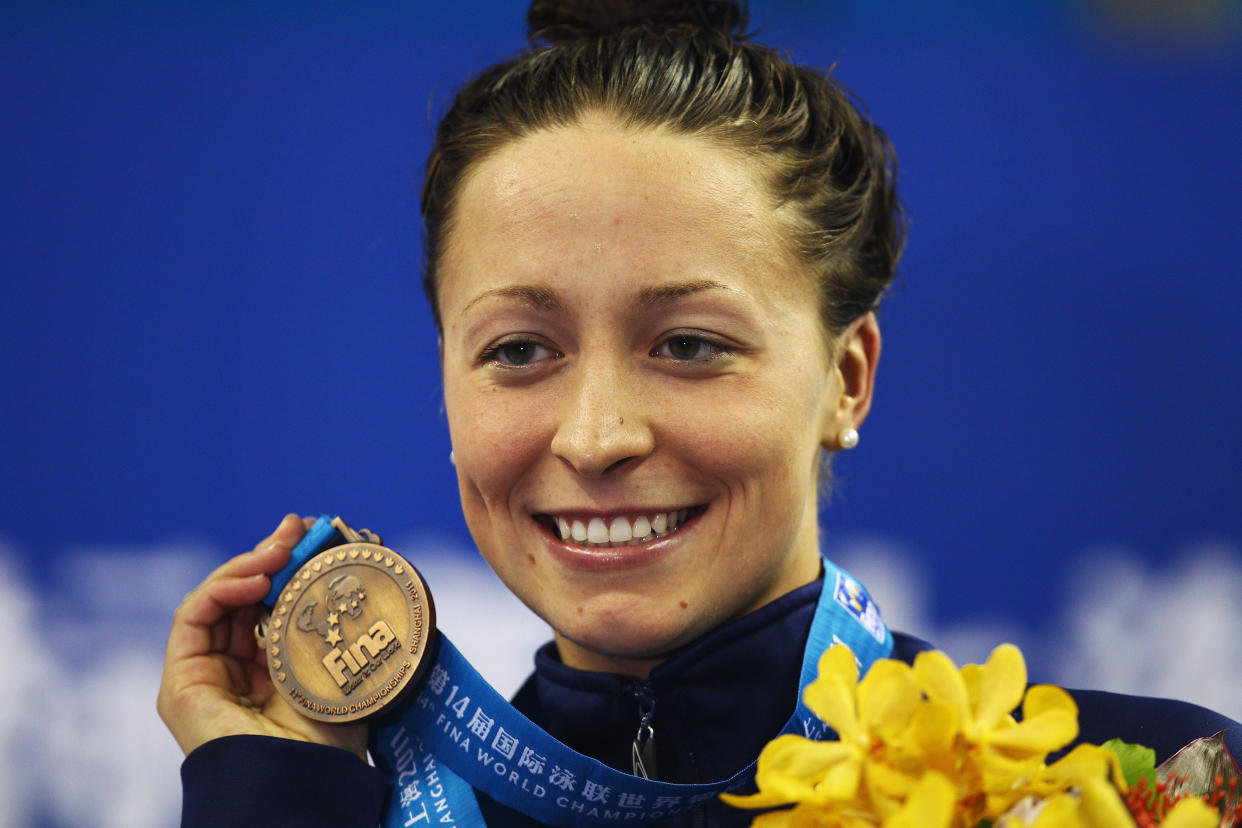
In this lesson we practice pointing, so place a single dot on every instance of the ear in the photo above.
(857, 354)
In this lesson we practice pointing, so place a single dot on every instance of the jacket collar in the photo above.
(714, 703)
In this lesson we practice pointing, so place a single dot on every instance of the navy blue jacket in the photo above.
(714, 705)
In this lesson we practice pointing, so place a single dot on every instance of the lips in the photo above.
(618, 529)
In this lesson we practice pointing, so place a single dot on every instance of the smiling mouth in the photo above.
(619, 530)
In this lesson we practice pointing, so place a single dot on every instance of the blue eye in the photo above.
(688, 348)
(516, 353)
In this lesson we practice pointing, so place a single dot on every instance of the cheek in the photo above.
(497, 442)
(752, 434)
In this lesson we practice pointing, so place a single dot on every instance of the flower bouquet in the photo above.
(932, 746)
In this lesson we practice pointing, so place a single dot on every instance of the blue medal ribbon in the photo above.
(460, 735)
(320, 536)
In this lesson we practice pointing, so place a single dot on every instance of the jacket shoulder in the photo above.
(1164, 725)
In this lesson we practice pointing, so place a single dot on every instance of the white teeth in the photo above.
(642, 527)
(597, 532)
(619, 530)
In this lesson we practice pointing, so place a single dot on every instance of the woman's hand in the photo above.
(215, 674)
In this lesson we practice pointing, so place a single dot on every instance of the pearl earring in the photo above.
(848, 438)
(452, 458)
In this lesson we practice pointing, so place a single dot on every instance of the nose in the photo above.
(604, 424)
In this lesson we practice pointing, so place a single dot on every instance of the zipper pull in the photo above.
(642, 751)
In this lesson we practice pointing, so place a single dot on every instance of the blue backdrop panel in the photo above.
(213, 312)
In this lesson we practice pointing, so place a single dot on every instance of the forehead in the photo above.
(657, 203)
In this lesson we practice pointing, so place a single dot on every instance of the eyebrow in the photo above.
(545, 299)
(653, 297)
(539, 298)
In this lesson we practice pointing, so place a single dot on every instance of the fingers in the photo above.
(215, 679)
(259, 689)
(242, 643)
(240, 582)
(291, 529)
(269, 554)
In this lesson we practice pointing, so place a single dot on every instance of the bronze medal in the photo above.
(350, 632)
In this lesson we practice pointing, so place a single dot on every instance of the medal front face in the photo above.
(349, 633)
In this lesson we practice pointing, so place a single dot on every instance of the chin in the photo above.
(613, 630)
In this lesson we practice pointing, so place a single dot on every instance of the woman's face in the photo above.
(637, 386)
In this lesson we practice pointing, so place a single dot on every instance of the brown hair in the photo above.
(688, 66)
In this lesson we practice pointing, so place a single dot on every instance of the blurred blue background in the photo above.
(213, 316)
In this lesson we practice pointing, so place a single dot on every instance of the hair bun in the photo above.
(556, 21)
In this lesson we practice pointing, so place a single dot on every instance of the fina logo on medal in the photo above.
(855, 600)
(350, 666)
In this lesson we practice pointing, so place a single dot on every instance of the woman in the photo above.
(654, 254)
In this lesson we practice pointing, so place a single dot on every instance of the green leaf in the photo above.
(1137, 762)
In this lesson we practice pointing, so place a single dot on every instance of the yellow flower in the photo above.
(930, 805)
(1003, 757)
(1060, 811)
(1098, 805)
(864, 714)
(931, 745)
(1082, 763)
(983, 697)
(1102, 806)
(1192, 812)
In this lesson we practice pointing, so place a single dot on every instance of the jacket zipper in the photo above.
(642, 751)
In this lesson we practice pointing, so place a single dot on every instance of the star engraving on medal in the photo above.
(333, 618)
(333, 636)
